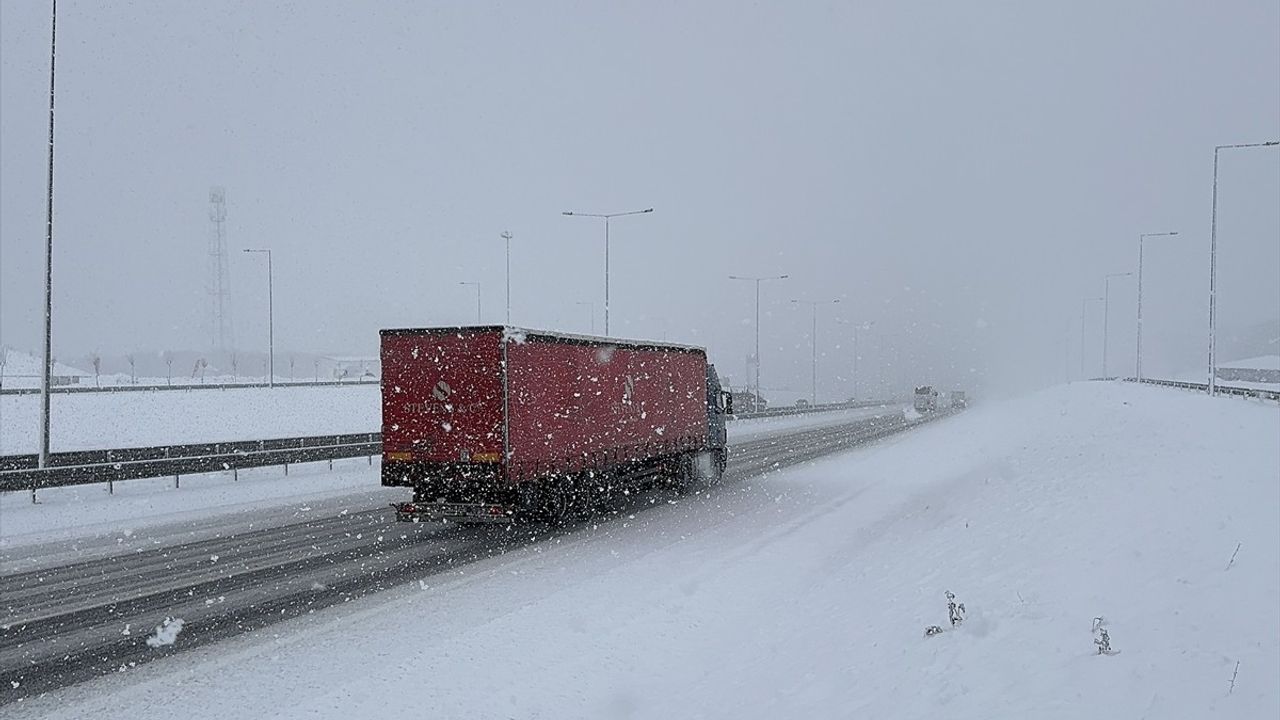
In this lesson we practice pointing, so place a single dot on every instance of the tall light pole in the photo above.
(466, 282)
(591, 305)
(856, 328)
(1137, 365)
(506, 235)
(1083, 307)
(1213, 261)
(813, 343)
(1106, 316)
(607, 217)
(271, 321)
(47, 368)
(757, 280)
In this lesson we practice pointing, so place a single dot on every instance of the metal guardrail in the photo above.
(1220, 389)
(19, 473)
(183, 386)
(84, 467)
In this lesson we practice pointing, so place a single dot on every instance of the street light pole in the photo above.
(757, 280)
(1106, 316)
(271, 321)
(477, 284)
(1137, 366)
(813, 344)
(47, 368)
(606, 217)
(506, 235)
(1213, 261)
(1083, 307)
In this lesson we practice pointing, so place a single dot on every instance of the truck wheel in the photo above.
(700, 470)
(555, 505)
(722, 462)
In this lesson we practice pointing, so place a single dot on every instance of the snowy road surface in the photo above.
(799, 593)
(68, 622)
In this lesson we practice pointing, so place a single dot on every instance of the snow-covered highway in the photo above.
(803, 592)
(61, 628)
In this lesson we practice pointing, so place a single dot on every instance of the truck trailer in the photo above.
(494, 424)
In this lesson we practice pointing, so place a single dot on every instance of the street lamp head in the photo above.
(647, 210)
(566, 213)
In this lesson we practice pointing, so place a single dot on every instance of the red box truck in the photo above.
(492, 423)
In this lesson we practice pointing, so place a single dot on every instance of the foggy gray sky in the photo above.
(960, 173)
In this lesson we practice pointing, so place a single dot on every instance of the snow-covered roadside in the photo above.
(143, 512)
(90, 421)
(752, 428)
(87, 510)
(806, 593)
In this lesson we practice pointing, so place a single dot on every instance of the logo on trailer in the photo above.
(628, 389)
(441, 391)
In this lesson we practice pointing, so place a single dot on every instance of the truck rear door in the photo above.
(442, 395)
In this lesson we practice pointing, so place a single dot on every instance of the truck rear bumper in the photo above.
(453, 512)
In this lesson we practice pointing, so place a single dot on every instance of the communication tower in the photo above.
(219, 272)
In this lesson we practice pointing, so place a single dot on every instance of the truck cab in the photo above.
(926, 399)
(719, 408)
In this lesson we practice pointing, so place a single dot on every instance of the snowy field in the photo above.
(89, 421)
(260, 493)
(805, 593)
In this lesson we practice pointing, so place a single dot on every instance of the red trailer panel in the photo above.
(574, 405)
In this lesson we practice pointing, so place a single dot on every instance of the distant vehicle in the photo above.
(491, 424)
(926, 399)
(958, 400)
(802, 403)
(746, 401)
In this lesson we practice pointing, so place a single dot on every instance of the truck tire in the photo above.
(555, 505)
(700, 470)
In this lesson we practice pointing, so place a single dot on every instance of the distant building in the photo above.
(350, 367)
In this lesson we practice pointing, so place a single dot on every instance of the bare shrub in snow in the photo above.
(1102, 638)
(955, 612)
